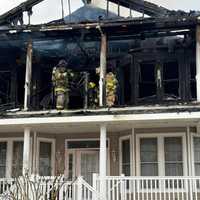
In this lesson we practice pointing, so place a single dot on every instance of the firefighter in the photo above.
(111, 89)
(93, 94)
(60, 79)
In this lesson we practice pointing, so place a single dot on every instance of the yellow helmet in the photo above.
(92, 85)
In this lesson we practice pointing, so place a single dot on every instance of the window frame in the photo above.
(53, 152)
(121, 139)
(193, 135)
(161, 154)
(9, 154)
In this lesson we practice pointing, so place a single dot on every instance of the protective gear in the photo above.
(60, 76)
(93, 95)
(111, 89)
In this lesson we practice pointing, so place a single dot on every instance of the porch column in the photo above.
(28, 75)
(103, 159)
(26, 151)
(103, 65)
(198, 62)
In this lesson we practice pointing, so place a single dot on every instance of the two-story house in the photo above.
(151, 135)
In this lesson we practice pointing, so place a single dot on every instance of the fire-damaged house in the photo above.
(146, 145)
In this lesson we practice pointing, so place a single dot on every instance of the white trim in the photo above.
(133, 155)
(34, 160)
(72, 120)
(53, 152)
(121, 139)
(193, 135)
(161, 160)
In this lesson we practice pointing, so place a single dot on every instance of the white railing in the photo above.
(43, 188)
(149, 188)
(6, 184)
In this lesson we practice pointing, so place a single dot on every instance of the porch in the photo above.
(158, 155)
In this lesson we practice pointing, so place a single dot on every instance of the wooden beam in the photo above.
(198, 61)
(28, 76)
(103, 68)
(86, 82)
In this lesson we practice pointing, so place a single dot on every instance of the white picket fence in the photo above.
(149, 188)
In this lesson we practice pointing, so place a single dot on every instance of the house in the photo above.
(151, 136)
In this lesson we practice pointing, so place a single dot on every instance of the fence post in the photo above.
(79, 188)
(122, 187)
(94, 185)
(190, 189)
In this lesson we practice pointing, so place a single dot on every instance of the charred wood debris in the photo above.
(153, 57)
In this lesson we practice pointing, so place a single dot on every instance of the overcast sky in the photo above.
(50, 10)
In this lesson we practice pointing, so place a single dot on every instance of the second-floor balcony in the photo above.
(149, 69)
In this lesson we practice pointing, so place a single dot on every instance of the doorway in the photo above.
(82, 158)
(82, 163)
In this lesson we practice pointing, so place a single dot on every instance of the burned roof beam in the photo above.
(16, 14)
(142, 6)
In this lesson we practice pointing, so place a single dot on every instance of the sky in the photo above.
(49, 10)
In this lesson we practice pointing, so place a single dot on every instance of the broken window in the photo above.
(171, 80)
(5, 87)
(193, 93)
(147, 80)
(159, 80)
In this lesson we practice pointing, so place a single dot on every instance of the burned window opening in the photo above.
(193, 90)
(158, 81)
(5, 87)
(147, 80)
(171, 80)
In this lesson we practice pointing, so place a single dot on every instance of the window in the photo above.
(171, 79)
(45, 166)
(173, 156)
(17, 163)
(148, 157)
(160, 155)
(158, 81)
(82, 144)
(46, 157)
(3, 150)
(196, 142)
(70, 166)
(147, 80)
(193, 81)
(125, 157)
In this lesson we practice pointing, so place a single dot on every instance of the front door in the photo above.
(87, 164)
(83, 163)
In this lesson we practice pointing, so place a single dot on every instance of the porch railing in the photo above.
(150, 188)
(46, 188)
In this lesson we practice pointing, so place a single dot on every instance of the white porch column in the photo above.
(103, 66)
(103, 160)
(26, 151)
(198, 62)
(28, 75)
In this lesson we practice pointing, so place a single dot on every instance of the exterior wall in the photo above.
(114, 154)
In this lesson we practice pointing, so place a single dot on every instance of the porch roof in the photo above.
(89, 121)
